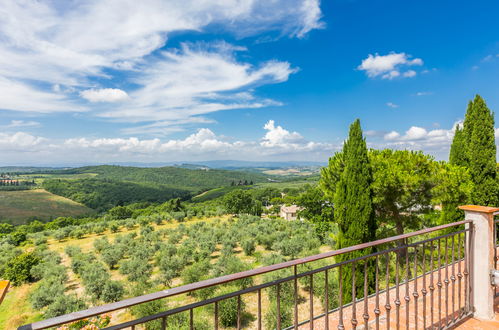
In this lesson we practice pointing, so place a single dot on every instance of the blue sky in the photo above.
(156, 81)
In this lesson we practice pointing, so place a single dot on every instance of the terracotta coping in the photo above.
(478, 208)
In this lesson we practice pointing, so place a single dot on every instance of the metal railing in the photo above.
(419, 279)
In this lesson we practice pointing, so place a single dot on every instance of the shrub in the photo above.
(18, 269)
(112, 291)
(46, 293)
(285, 315)
(137, 270)
(64, 304)
(248, 245)
(17, 238)
(100, 244)
(112, 255)
(227, 308)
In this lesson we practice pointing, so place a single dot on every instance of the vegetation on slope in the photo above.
(195, 180)
(105, 194)
(18, 207)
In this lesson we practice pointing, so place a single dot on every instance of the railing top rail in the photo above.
(75, 316)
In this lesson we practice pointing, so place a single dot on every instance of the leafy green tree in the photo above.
(454, 188)
(248, 245)
(353, 202)
(46, 293)
(228, 307)
(481, 153)
(317, 209)
(120, 212)
(6, 228)
(112, 291)
(137, 269)
(17, 237)
(18, 269)
(238, 201)
(112, 255)
(402, 186)
(64, 304)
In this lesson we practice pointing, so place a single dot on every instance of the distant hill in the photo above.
(19, 206)
(114, 185)
(103, 194)
(195, 180)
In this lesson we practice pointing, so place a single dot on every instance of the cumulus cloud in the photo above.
(73, 45)
(278, 136)
(19, 141)
(392, 105)
(104, 95)
(389, 66)
(204, 144)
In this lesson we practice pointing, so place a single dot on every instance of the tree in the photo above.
(112, 291)
(353, 202)
(402, 186)
(457, 154)
(64, 304)
(112, 255)
(6, 228)
(120, 212)
(228, 307)
(481, 152)
(18, 269)
(316, 209)
(454, 188)
(248, 246)
(241, 202)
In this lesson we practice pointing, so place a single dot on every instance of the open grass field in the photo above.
(40, 177)
(20, 206)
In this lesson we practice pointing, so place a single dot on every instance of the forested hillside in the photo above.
(105, 194)
(181, 178)
(119, 185)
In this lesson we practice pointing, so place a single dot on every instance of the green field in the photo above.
(19, 206)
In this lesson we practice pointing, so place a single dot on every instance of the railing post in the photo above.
(482, 256)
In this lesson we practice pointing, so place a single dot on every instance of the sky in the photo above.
(106, 81)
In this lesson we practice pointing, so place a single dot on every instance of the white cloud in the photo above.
(277, 143)
(104, 95)
(66, 45)
(392, 105)
(18, 96)
(409, 73)
(19, 141)
(278, 136)
(196, 80)
(389, 66)
(391, 136)
(22, 123)
(424, 93)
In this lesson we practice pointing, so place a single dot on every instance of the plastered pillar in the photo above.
(482, 256)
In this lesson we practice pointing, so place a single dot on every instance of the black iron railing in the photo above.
(419, 279)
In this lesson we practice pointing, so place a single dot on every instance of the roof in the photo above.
(290, 209)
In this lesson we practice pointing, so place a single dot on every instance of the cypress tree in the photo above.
(458, 148)
(481, 152)
(353, 208)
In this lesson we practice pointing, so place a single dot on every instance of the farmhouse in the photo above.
(289, 212)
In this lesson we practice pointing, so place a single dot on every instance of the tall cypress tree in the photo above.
(353, 207)
(458, 148)
(481, 152)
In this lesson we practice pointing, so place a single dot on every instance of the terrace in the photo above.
(433, 278)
